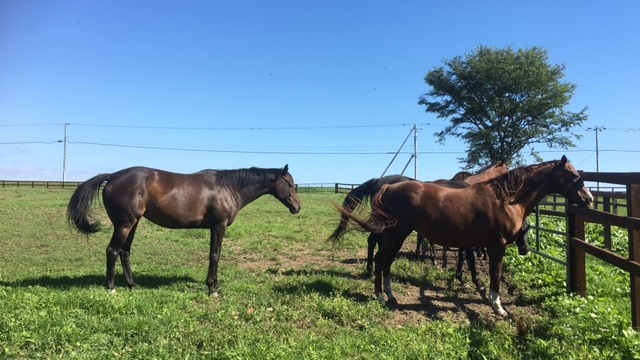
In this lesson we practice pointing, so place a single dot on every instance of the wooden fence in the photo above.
(578, 245)
(344, 188)
(302, 188)
(39, 184)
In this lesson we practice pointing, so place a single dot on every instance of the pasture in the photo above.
(285, 293)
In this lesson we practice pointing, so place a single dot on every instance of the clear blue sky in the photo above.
(328, 87)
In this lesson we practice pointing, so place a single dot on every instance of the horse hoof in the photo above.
(392, 302)
(213, 294)
(112, 291)
(501, 313)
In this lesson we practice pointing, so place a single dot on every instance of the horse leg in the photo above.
(119, 237)
(471, 263)
(459, 264)
(372, 241)
(419, 241)
(377, 276)
(495, 271)
(389, 248)
(215, 245)
(125, 254)
(444, 256)
(432, 252)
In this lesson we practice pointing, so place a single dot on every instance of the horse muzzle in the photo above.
(294, 208)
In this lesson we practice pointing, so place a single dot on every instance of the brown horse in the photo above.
(487, 214)
(209, 199)
(367, 190)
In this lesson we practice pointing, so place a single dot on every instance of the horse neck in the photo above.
(534, 188)
(252, 190)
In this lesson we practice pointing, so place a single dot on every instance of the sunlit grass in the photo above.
(285, 294)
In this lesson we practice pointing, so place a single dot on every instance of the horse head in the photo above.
(569, 184)
(284, 189)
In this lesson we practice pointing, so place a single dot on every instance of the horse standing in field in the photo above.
(370, 188)
(209, 199)
(487, 214)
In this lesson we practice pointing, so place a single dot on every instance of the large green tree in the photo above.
(499, 101)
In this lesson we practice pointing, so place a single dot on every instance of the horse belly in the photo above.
(176, 214)
(451, 228)
(451, 236)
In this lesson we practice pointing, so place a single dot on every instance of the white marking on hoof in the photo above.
(381, 299)
(494, 297)
(112, 291)
(214, 294)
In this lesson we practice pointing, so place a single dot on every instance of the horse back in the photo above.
(168, 199)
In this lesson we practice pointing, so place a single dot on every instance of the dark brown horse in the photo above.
(209, 199)
(367, 190)
(487, 214)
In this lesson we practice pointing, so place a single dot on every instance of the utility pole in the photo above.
(597, 130)
(64, 154)
(415, 151)
(413, 157)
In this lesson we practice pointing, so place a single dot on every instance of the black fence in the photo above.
(39, 184)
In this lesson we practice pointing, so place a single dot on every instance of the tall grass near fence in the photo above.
(285, 294)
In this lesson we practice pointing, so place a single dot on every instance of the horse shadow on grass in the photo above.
(83, 281)
(438, 301)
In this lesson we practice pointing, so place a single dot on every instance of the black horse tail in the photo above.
(79, 209)
(378, 220)
(354, 198)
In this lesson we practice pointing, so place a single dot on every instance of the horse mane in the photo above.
(509, 185)
(243, 177)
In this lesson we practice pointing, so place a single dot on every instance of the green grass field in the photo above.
(285, 294)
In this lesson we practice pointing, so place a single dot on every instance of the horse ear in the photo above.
(563, 161)
(285, 169)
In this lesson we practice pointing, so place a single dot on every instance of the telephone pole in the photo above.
(64, 154)
(597, 130)
(415, 151)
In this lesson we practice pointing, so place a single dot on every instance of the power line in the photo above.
(29, 142)
(26, 125)
(316, 127)
(292, 152)
(228, 151)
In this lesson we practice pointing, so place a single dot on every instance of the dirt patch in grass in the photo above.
(444, 300)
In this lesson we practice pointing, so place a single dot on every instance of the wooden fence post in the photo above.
(606, 207)
(633, 210)
(576, 271)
